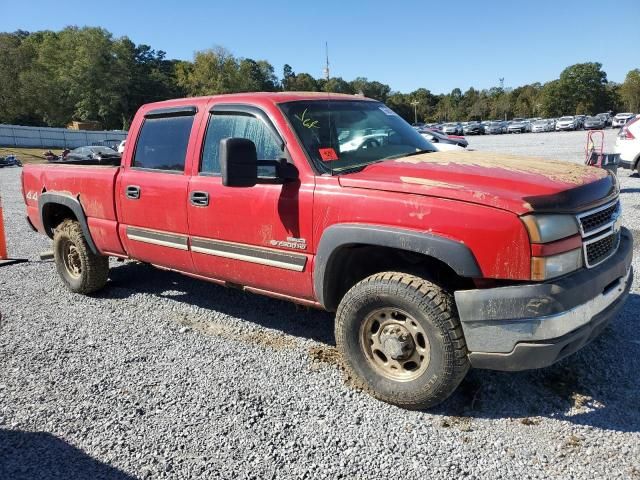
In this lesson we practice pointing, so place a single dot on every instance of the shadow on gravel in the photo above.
(597, 386)
(132, 278)
(40, 455)
(629, 190)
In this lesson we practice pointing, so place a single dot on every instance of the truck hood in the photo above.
(509, 182)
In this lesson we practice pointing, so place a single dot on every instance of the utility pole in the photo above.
(415, 104)
(326, 68)
(501, 83)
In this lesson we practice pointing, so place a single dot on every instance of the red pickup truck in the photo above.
(434, 262)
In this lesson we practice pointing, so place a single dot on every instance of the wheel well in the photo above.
(353, 263)
(53, 214)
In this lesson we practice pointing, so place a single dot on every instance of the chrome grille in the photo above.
(599, 219)
(601, 248)
(600, 230)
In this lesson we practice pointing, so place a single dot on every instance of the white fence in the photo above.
(43, 137)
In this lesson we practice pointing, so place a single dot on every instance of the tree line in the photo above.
(49, 78)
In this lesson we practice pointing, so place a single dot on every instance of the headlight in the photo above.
(544, 268)
(548, 228)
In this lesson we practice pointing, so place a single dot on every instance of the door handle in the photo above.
(199, 199)
(133, 192)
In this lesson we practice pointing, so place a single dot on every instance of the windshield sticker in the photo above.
(328, 154)
(306, 121)
(387, 110)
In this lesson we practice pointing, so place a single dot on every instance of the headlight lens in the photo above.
(544, 268)
(549, 228)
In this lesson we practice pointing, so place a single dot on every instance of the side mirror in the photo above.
(238, 162)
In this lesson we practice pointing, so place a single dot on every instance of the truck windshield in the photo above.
(344, 135)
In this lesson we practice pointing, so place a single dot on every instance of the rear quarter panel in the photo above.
(93, 186)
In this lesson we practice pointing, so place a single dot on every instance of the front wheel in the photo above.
(400, 336)
(81, 270)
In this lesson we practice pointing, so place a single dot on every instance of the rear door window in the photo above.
(162, 143)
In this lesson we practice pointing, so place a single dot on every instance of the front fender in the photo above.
(455, 254)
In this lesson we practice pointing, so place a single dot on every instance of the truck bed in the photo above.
(92, 185)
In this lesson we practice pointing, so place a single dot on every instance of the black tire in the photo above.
(81, 270)
(427, 304)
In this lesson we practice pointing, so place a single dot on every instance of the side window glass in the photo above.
(237, 125)
(162, 143)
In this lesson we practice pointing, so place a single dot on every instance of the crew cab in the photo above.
(434, 262)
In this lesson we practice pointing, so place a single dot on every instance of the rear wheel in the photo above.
(81, 270)
(400, 336)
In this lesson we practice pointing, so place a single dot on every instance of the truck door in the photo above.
(259, 236)
(152, 190)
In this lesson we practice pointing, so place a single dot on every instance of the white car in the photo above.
(620, 119)
(542, 126)
(566, 123)
(628, 145)
(121, 146)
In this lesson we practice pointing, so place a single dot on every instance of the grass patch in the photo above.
(27, 155)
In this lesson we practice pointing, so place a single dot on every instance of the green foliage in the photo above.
(583, 88)
(630, 91)
(51, 78)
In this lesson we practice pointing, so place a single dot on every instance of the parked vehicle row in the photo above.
(536, 125)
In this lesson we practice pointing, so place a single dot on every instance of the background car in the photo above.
(566, 123)
(452, 129)
(542, 126)
(620, 119)
(111, 143)
(473, 128)
(10, 161)
(495, 127)
(121, 146)
(437, 138)
(519, 125)
(606, 117)
(628, 145)
(93, 153)
(593, 123)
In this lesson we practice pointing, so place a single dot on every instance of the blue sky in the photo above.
(406, 44)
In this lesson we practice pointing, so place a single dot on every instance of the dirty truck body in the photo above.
(433, 261)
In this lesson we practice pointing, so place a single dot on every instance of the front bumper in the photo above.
(533, 326)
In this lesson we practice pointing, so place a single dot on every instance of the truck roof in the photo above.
(274, 97)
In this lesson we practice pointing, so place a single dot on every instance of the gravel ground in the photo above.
(161, 376)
